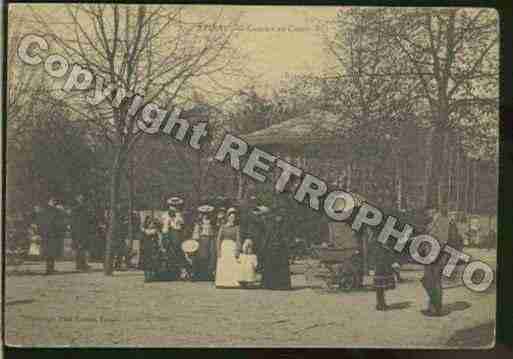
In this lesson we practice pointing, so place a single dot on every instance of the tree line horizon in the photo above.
(419, 86)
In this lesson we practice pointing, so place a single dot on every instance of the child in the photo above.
(151, 249)
(248, 264)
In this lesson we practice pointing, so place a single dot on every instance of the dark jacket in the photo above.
(54, 223)
(275, 253)
(82, 226)
(383, 273)
(454, 240)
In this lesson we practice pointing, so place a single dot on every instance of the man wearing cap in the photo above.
(204, 234)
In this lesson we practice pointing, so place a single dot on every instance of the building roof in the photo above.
(315, 127)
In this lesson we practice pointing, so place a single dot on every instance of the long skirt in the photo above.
(201, 261)
(227, 274)
(276, 273)
(153, 259)
(176, 259)
(384, 277)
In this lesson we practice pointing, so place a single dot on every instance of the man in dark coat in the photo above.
(82, 231)
(52, 228)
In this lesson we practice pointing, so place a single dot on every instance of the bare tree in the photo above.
(439, 64)
(161, 52)
(453, 54)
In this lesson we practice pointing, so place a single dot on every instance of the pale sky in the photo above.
(297, 50)
(276, 39)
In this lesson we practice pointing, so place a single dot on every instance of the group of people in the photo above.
(51, 222)
(233, 252)
(241, 247)
(437, 224)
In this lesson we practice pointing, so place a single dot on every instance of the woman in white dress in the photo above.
(228, 249)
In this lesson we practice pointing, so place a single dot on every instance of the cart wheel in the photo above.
(347, 282)
(328, 285)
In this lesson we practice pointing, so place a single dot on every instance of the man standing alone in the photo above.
(52, 227)
(82, 229)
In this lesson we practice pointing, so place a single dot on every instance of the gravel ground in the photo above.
(89, 309)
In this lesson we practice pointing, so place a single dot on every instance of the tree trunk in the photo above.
(457, 179)
(131, 194)
(428, 166)
(114, 213)
(437, 179)
(398, 181)
(198, 195)
(449, 176)
(467, 186)
(475, 175)
(240, 183)
(349, 175)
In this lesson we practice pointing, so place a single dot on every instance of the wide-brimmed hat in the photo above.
(259, 210)
(190, 246)
(175, 201)
(231, 210)
(205, 209)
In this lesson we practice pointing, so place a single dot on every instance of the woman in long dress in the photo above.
(276, 271)
(220, 220)
(203, 233)
(151, 250)
(171, 241)
(383, 273)
(228, 249)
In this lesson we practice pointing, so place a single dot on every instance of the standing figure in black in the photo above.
(52, 229)
(276, 272)
(383, 272)
(82, 231)
(257, 232)
(204, 234)
(152, 255)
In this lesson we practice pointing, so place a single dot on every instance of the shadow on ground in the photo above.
(455, 307)
(23, 301)
(399, 305)
(29, 272)
(476, 337)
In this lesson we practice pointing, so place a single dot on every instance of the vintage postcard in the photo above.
(251, 176)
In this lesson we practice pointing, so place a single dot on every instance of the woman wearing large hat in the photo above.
(204, 234)
(152, 259)
(228, 249)
(172, 229)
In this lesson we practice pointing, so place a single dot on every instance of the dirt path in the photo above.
(90, 309)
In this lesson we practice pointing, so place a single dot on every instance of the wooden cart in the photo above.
(339, 263)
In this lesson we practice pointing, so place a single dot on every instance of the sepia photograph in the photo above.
(250, 176)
